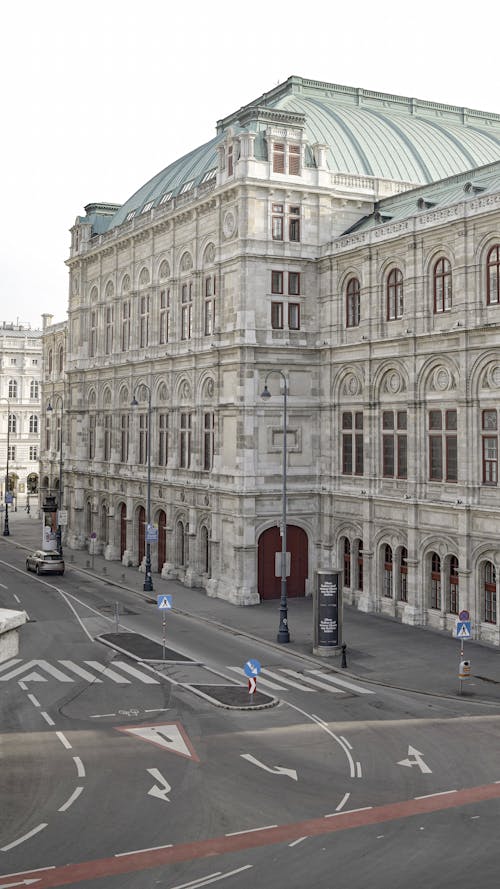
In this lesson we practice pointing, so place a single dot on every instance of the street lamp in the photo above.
(6, 532)
(283, 631)
(59, 528)
(148, 580)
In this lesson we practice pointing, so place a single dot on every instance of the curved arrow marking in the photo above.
(160, 792)
(277, 770)
(415, 759)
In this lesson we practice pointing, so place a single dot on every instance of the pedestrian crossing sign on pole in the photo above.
(164, 601)
(463, 629)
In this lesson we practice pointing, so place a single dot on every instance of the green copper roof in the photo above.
(366, 133)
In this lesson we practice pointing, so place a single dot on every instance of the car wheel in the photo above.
(38, 569)
(61, 573)
(27, 565)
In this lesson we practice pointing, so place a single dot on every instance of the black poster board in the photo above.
(328, 612)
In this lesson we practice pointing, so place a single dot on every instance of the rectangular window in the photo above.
(443, 446)
(185, 441)
(125, 340)
(277, 316)
(230, 160)
(124, 437)
(143, 439)
(352, 443)
(279, 157)
(294, 160)
(12, 452)
(47, 433)
(294, 283)
(93, 334)
(186, 311)
(164, 317)
(33, 452)
(107, 436)
(208, 441)
(109, 330)
(276, 282)
(144, 322)
(209, 307)
(394, 444)
(163, 441)
(293, 316)
(92, 425)
(294, 224)
(277, 222)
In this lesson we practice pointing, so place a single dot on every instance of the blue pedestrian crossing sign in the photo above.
(252, 668)
(463, 629)
(164, 601)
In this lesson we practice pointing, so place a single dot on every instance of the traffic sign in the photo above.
(93, 535)
(252, 668)
(164, 601)
(151, 533)
(463, 629)
(252, 685)
(464, 615)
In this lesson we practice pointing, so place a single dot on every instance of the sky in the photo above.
(98, 97)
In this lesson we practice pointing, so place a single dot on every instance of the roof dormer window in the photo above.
(147, 206)
(187, 187)
(286, 158)
(165, 198)
(130, 215)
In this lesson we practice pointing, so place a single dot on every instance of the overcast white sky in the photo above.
(99, 96)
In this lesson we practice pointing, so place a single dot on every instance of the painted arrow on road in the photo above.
(415, 759)
(277, 770)
(22, 883)
(160, 792)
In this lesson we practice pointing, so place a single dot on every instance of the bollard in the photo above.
(104, 569)
(343, 662)
(87, 563)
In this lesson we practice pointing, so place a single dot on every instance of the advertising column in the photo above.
(328, 613)
(49, 525)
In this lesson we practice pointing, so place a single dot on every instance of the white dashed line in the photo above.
(237, 833)
(138, 851)
(69, 802)
(34, 700)
(80, 768)
(47, 718)
(64, 741)
(25, 837)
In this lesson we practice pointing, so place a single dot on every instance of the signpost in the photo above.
(252, 669)
(164, 602)
(93, 537)
(463, 630)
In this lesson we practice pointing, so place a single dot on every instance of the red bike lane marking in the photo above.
(137, 861)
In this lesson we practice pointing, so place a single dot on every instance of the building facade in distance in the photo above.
(20, 389)
(349, 241)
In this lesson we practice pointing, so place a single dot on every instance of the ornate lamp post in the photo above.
(283, 631)
(148, 580)
(59, 528)
(6, 532)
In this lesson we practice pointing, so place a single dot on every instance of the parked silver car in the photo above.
(45, 563)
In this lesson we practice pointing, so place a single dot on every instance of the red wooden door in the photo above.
(269, 545)
(141, 532)
(162, 540)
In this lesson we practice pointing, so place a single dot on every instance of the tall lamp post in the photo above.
(59, 528)
(148, 580)
(283, 631)
(6, 532)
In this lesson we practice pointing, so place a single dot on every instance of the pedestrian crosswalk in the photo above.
(91, 671)
(283, 678)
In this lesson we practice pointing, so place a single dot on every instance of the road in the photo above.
(115, 773)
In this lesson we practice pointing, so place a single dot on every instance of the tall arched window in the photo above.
(442, 285)
(12, 388)
(49, 361)
(205, 550)
(33, 423)
(493, 276)
(403, 575)
(394, 294)
(453, 586)
(103, 531)
(352, 303)
(60, 359)
(180, 544)
(435, 581)
(347, 562)
(490, 593)
(388, 571)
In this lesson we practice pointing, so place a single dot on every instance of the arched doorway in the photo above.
(141, 533)
(162, 540)
(269, 545)
(32, 483)
(123, 529)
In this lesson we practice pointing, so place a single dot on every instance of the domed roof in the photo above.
(366, 133)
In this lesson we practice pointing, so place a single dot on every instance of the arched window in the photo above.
(12, 423)
(49, 361)
(347, 562)
(442, 285)
(352, 303)
(388, 571)
(493, 276)
(103, 532)
(403, 575)
(205, 551)
(360, 565)
(181, 539)
(33, 423)
(34, 389)
(394, 294)
(12, 388)
(435, 581)
(490, 593)
(88, 518)
(453, 586)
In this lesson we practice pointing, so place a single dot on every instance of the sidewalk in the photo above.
(378, 649)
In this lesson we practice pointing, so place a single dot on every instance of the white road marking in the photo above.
(7, 664)
(441, 793)
(296, 842)
(342, 802)
(138, 851)
(359, 773)
(23, 839)
(69, 802)
(80, 768)
(41, 665)
(346, 742)
(349, 812)
(415, 759)
(64, 741)
(34, 700)
(277, 770)
(237, 833)
(127, 668)
(329, 732)
(316, 682)
(211, 878)
(6, 588)
(101, 715)
(47, 718)
(159, 792)
(274, 675)
(108, 672)
(261, 680)
(84, 674)
(343, 683)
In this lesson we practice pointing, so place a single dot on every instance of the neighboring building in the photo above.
(350, 240)
(53, 417)
(20, 379)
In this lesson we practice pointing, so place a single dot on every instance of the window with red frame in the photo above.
(493, 276)
(442, 285)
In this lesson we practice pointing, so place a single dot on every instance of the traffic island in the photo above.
(140, 648)
(10, 621)
(233, 697)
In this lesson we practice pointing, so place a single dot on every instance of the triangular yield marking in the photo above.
(169, 736)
